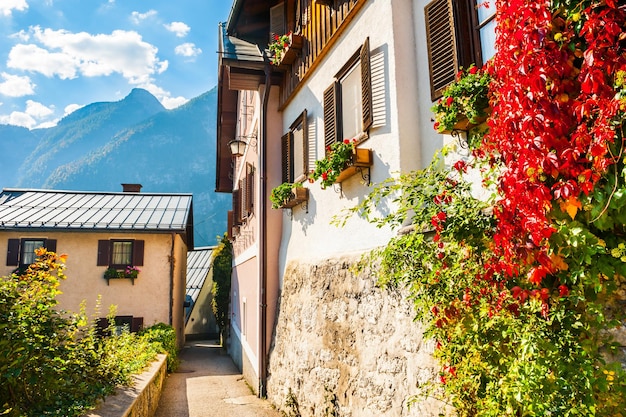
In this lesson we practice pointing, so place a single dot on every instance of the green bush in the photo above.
(164, 336)
(52, 363)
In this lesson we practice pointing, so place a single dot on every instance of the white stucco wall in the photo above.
(402, 137)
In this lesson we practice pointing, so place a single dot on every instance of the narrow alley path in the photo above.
(208, 384)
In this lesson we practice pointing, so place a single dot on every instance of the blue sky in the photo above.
(59, 55)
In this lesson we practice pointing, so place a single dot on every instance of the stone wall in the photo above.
(345, 347)
(140, 400)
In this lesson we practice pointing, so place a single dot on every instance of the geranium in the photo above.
(338, 156)
(279, 46)
(467, 97)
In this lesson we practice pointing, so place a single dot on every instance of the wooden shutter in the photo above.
(138, 248)
(286, 155)
(230, 219)
(366, 86)
(277, 21)
(13, 252)
(237, 207)
(50, 245)
(441, 38)
(305, 143)
(104, 247)
(249, 190)
(331, 122)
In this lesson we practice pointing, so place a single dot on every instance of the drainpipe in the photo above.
(172, 261)
(263, 232)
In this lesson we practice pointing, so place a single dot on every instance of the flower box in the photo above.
(463, 123)
(129, 273)
(291, 52)
(361, 158)
(298, 195)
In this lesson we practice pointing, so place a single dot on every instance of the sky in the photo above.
(59, 55)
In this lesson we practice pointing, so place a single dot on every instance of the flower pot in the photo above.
(361, 158)
(290, 54)
(299, 195)
(463, 123)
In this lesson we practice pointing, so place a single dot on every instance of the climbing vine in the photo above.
(520, 291)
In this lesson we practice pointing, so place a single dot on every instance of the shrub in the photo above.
(164, 336)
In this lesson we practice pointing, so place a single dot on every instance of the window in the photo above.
(295, 151)
(21, 252)
(459, 33)
(348, 101)
(120, 253)
(246, 193)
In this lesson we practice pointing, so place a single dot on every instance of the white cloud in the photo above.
(187, 49)
(29, 118)
(180, 29)
(15, 85)
(137, 17)
(164, 96)
(7, 6)
(71, 108)
(38, 110)
(66, 55)
(22, 36)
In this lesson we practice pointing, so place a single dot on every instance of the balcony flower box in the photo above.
(285, 48)
(288, 195)
(361, 158)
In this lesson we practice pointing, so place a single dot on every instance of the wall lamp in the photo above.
(237, 147)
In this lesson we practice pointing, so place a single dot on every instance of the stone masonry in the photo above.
(345, 347)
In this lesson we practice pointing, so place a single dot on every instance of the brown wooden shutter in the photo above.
(441, 38)
(331, 122)
(230, 219)
(103, 252)
(13, 252)
(249, 190)
(286, 150)
(50, 245)
(366, 86)
(138, 249)
(237, 207)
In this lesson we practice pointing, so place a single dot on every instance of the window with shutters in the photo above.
(21, 252)
(120, 253)
(246, 192)
(348, 101)
(277, 21)
(295, 151)
(459, 33)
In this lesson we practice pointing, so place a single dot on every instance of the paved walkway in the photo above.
(207, 384)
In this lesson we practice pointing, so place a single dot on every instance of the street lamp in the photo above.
(237, 147)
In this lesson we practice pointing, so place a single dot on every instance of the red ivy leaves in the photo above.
(551, 122)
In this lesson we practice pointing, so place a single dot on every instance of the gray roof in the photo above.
(199, 262)
(85, 210)
(233, 49)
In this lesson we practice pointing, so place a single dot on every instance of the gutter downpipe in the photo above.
(263, 231)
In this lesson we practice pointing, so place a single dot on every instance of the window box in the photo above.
(298, 195)
(463, 123)
(289, 54)
(129, 272)
(361, 159)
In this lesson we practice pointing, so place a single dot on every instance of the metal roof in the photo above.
(199, 263)
(85, 210)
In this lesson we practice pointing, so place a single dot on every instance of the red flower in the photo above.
(563, 290)
(346, 141)
(460, 166)
(324, 176)
(449, 101)
(436, 125)
(473, 70)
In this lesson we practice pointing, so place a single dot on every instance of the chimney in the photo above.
(131, 188)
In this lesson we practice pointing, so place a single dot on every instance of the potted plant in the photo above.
(288, 195)
(284, 47)
(130, 271)
(342, 160)
(465, 102)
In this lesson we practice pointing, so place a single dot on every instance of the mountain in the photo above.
(135, 140)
